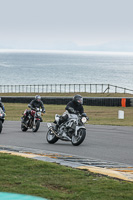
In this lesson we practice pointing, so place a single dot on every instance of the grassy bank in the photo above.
(97, 114)
(52, 181)
(84, 94)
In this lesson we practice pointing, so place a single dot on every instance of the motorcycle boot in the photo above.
(63, 118)
(56, 127)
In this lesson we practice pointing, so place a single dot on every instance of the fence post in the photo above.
(108, 88)
(115, 89)
(96, 88)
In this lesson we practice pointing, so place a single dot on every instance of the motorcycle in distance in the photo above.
(72, 130)
(33, 120)
(2, 118)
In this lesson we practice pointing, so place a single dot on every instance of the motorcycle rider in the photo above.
(36, 103)
(73, 107)
(2, 106)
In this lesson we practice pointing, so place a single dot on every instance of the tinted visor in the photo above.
(38, 98)
(80, 100)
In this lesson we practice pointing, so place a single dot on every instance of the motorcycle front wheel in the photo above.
(79, 138)
(23, 127)
(51, 137)
(36, 126)
(0, 126)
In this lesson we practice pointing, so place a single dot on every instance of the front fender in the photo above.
(79, 127)
(37, 119)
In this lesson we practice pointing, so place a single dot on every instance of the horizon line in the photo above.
(64, 51)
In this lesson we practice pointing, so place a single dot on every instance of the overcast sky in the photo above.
(67, 24)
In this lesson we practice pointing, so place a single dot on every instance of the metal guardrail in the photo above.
(64, 88)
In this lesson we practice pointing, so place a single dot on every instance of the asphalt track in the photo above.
(104, 146)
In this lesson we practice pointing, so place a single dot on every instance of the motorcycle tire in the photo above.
(0, 126)
(77, 140)
(36, 127)
(51, 137)
(23, 128)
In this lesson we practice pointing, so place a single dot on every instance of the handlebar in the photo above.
(37, 109)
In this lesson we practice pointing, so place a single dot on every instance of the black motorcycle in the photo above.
(72, 130)
(2, 118)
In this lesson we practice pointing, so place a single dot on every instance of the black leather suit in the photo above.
(72, 107)
(34, 104)
(76, 106)
(2, 106)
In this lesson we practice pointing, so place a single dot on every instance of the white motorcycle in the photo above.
(72, 130)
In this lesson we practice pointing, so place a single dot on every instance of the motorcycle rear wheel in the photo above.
(0, 126)
(51, 137)
(36, 127)
(77, 140)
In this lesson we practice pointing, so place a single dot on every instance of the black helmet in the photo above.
(37, 97)
(78, 99)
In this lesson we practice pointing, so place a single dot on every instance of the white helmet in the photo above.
(38, 97)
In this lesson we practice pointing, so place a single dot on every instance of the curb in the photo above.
(124, 172)
(115, 173)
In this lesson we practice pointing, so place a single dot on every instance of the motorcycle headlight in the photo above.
(39, 113)
(83, 119)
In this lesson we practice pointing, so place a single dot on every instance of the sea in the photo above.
(64, 67)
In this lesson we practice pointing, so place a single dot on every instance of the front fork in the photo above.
(77, 128)
(35, 119)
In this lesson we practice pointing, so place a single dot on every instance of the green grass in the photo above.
(84, 94)
(97, 114)
(52, 181)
